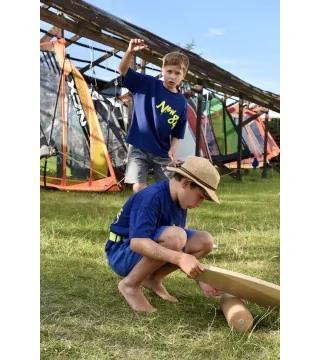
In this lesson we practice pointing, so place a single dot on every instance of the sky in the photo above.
(242, 37)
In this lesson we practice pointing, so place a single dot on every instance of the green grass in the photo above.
(83, 316)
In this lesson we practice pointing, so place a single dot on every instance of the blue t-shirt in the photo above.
(158, 114)
(146, 211)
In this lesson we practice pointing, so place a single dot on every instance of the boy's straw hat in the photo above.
(200, 171)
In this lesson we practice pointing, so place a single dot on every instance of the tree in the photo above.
(190, 46)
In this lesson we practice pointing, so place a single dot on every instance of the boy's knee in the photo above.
(174, 238)
(207, 242)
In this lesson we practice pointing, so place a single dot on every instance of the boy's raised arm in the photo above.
(134, 46)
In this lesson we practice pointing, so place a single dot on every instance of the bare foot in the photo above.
(159, 289)
(135, 298)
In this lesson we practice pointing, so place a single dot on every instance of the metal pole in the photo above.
(199, 119)
(143, 66)
(224, 105)
(265, 148)
(133, 62)
(240, 137)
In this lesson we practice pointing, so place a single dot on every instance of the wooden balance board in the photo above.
(242, 286)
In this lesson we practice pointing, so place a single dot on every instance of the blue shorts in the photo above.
(122, 259)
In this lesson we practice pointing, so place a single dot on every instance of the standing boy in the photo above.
(148, 238)
(159, 116)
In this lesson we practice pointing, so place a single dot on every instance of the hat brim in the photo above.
(211, 193)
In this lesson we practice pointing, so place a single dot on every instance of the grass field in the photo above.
(83, 316)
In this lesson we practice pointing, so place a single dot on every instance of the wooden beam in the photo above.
(90, 22)
(53, 32)
(82, 30)
(146, 54)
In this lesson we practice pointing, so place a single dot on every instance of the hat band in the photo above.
(196, 178)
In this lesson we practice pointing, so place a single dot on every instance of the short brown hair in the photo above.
(193, 185)
(179, 177)
(176, 58)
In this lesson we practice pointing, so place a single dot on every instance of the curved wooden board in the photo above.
(242, 286)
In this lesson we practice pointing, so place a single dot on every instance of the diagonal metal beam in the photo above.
(253, 117)
(72, 40)
(98, 61)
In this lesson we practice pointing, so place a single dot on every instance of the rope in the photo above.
(115, 83)
(93, 73)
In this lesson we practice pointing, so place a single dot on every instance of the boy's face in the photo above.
(190, 197)
(173, 76)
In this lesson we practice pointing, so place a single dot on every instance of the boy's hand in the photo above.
(208, 290)
(190, 265)
(172, 155)
(136, 45)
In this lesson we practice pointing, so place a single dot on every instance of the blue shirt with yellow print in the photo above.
(158, 114)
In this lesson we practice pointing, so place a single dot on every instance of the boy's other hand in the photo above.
(208, 290)
(136, 45)
(172, 155)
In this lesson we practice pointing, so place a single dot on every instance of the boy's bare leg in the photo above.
(134, 297)
(200, 244)
(155, 284)
(154, 281)
(130, 286)
(150, 273)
